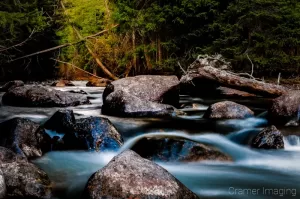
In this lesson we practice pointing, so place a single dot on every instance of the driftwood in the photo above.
(203, 70)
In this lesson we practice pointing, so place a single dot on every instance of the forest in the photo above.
(42, 39)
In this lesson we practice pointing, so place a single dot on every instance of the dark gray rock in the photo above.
(62, 83)
(122, 104)
(160, 89)
(21, 179)
(285, 108)
(130, 176)
(24, 137)
(171, 149)
(269, 138)
(62, 121)
(39, 96)
(10, 85)
(93, 133)
(25, 180)
(228, 110)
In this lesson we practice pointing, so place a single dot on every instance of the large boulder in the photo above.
(128, 175)
(285, 108)
(39, 96)
(269, 138)
(120, 103)
(98, 82)
(171, 149)
(93, 133)
(24, 137)
(62, 121)
(25, 180)
(160, 89)
(21, 178)
(62, 83)
(11, 84)
(228, 110)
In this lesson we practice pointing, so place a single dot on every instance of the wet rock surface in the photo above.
(93, 133)
(130, 176)
(24, 137)
(120, 103)
(39, 96)
(228, 110)
(169, 149)
(269, 138)
(160, 89)
(285, 108)
(10, 85)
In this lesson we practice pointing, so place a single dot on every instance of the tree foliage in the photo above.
(154, 35)
(25, 27)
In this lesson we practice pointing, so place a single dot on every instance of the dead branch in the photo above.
(252, 65)
(47, 50)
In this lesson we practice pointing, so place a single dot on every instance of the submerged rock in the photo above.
(39, 96)
(10, 85)
(130, 176)
(63, 83)
(120, 103)
(93, 133)
(98, 83)
(228, 110)
(285, 108)
(24, 137)
(78, 92)
(62, 121)
(160, 89)
(169, 149)
(269, 138)
(25, 180)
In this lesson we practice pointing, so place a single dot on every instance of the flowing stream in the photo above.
(252, 173)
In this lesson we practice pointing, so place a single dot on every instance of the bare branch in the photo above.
(19, 44)
(252, 65)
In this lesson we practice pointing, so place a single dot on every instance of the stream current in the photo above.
(252, 174)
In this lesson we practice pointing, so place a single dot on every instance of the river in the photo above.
(252, 174)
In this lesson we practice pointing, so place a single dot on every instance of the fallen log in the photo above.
(225, 78)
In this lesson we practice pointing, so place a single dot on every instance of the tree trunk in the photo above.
(227, 79)
(147, 58)
(134, 53)
(159, 50)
